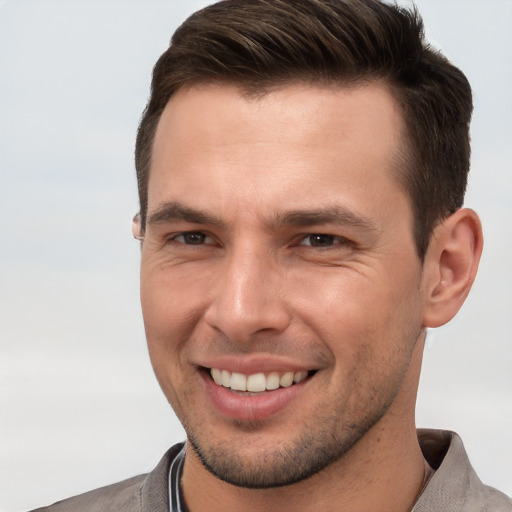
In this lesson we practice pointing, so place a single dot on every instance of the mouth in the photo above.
(257, 395)
(257, 383)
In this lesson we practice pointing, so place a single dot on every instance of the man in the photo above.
(301, 169)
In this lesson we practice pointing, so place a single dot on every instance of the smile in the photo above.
(257, 382)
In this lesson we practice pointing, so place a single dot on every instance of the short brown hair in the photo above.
(262, 44)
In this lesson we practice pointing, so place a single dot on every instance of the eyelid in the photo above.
(337, 239)
(208, 238)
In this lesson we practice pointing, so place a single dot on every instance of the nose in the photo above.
(248, 297)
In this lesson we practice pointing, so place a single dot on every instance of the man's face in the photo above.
(279, 246)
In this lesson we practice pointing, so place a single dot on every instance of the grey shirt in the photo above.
(454, 487)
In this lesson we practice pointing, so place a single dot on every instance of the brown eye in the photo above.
(191, 238)
(319, 240)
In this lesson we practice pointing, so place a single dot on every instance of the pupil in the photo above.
(321, 240)
(194, 238)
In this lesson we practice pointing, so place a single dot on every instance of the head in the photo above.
(261, 45)
(301, 166)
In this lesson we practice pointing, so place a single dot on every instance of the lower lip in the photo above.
(251, 408)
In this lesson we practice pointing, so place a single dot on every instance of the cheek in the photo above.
(171, 302)
(166, 334)
(348, 305)
(163, 310)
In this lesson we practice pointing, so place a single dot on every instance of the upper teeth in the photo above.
(257, 382)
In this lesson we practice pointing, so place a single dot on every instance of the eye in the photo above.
(321, 240)
(191, 238)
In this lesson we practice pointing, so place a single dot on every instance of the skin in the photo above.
(235, 276)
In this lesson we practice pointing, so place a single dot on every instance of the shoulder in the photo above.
(147, 492)
(455, 485)
(123, 495)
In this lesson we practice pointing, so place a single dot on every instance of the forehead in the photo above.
(197, 107)
(214, 141)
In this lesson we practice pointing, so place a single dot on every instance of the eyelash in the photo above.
(184, 234)
(332, 240)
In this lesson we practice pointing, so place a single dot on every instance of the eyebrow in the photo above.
(173, 211)
(335, 214)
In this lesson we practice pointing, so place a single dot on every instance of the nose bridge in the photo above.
(246, 296)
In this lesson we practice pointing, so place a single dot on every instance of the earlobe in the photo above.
(451, 265)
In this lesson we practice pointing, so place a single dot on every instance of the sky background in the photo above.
(79, 406)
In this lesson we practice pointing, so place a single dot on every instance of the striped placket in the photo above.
(176, 503)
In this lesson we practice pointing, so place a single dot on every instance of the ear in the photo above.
(137, 228)
(450, 266)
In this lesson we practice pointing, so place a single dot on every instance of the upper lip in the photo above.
(252, 364)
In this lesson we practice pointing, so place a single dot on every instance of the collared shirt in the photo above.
(453, 487)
